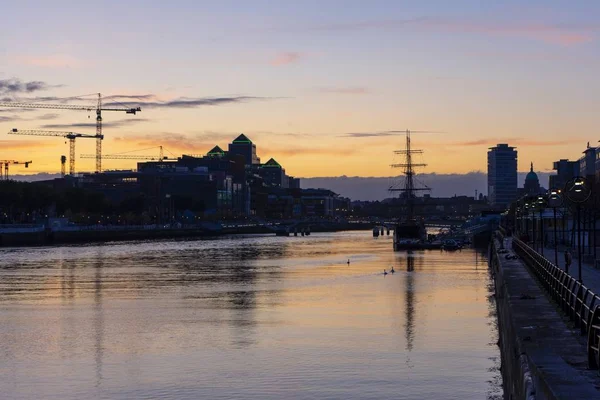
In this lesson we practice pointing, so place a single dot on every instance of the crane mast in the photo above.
(99, 108)
(68, 135)
(6, 163)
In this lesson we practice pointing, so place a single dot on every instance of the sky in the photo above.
(324, 87)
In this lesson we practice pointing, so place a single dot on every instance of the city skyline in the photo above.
(309, 83)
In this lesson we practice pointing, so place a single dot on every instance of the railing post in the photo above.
(592, 343)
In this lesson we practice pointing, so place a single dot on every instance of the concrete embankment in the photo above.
(542, 358)
(47, 237)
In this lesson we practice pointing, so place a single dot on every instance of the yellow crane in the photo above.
(99, 108)
(6, 163)
(68, 135)
(160, 157)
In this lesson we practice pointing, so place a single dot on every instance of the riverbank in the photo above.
(47, 237)
(542, 357)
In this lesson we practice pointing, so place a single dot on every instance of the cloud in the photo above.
(345, 90)
(45, 117)
(188, 102)
(295, 151)
(51, 61)
(7, 118)
(286, 58)
(549, 33)
(513, 141)
(113, 124)
(14, 86)
(381, 134)
(169, 140)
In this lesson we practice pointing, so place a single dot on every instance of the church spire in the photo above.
(531, 167)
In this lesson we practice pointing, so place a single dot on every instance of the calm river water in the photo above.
(255, 317)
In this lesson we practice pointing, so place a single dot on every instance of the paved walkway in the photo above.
(590, 275)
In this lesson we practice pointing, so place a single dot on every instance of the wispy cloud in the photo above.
(345, 90)
(550, 33)
(185, 102)
(169, 140)
(381, 133)
(286, 58)
(15, 86)
(112, 124)
(297, 151)
(514, 141)
(9, 118)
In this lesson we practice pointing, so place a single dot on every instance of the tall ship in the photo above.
(409, 228)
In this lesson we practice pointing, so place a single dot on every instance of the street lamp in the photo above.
(541, 204)
(526, 210)
(555, 201)
(578, 191)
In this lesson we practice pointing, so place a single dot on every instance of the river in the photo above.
(247, 317)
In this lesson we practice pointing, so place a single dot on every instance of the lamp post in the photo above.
(532, 207)
(541, 204)
(555, 201)
(578, 191)
(526, 210)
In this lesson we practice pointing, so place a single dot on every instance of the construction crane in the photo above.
(160, 157)
(8, 162)
(69, 135)
(99, 108)
(63, 161)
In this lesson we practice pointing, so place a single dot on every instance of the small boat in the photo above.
(450, 245)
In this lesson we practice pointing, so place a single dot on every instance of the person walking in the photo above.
(568, 260)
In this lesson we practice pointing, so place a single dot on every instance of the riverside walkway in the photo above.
(544, 356)
(589, 274)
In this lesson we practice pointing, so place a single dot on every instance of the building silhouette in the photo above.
(532, 183)
(502, 175)
(565, 170)
(244, 147)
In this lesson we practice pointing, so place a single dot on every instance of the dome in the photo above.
(531, 176)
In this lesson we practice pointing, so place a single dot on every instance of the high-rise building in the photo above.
(502, 175)
(565, 170)
(274, 174)
(244, 146)
(587, 163)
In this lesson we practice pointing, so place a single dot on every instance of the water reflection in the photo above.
(256, 318)
(98, 315)
(409, 299)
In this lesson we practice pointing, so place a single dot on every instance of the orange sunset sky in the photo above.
(316, 85)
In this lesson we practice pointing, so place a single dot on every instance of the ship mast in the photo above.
(409, 190)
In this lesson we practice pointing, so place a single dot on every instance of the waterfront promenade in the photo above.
(544, 357)
(589, 274)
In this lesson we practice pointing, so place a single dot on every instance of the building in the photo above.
(274, 174)
(502, 175)
(565, 170)
(587, 163)
(532, 183)
(294, 183)
(244, 147)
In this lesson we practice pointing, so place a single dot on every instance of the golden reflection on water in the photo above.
(288, 315)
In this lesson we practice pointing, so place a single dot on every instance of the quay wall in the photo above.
(542, 358)
(49, 237)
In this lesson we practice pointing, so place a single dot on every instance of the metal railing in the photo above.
(580, 304)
